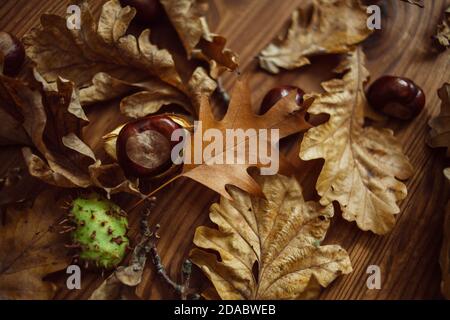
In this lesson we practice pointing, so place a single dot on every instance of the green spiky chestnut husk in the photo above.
(100, 231)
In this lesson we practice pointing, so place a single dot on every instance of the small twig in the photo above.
(143, 248)
(153, 236)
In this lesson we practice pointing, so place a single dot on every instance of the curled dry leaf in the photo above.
(443, 30)
(440, 126)
(361, 163)
(104, 62)
(278, 235)
(52, 117)
(188, 19)
(331, 26)
(47, 119)
(31, 248)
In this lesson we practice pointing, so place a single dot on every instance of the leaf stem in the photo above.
(165, 184)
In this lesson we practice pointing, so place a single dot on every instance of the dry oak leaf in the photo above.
(32, 248)
(333, 26)
(104, 62)
(188, 19)
(361, 163)
(214, 171)
(278, 235)
(212, 168)
(440, 126)
(443, 30)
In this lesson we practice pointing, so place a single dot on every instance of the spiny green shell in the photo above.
(100, 231)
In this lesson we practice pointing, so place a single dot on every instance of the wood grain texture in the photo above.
(408, 256)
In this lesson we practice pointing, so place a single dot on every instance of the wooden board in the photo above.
(408, 256)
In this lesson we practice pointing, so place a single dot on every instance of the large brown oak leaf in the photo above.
(278, 235)
(285, 116)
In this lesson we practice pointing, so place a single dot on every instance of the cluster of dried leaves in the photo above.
(51, 119)
(100, 62)
(280, 234)
(43, 111)
(269, 238)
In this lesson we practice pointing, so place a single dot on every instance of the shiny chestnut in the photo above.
(397, 97)
(144, 146)
(13, 53)
(277, 93)
(147, 11)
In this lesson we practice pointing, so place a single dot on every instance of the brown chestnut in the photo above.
(397, 97)
(147, 11)
(13, 53)
(277, 93)
(144, 146)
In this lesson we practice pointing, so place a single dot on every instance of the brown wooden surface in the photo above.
(408, 256)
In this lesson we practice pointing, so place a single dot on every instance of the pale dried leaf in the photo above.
(31, 248)
(440, 125)
(200, 85)
(72, 141)
(279, 235)
(146, 97)
(443, 30)
(333, 26)
(361, 163)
